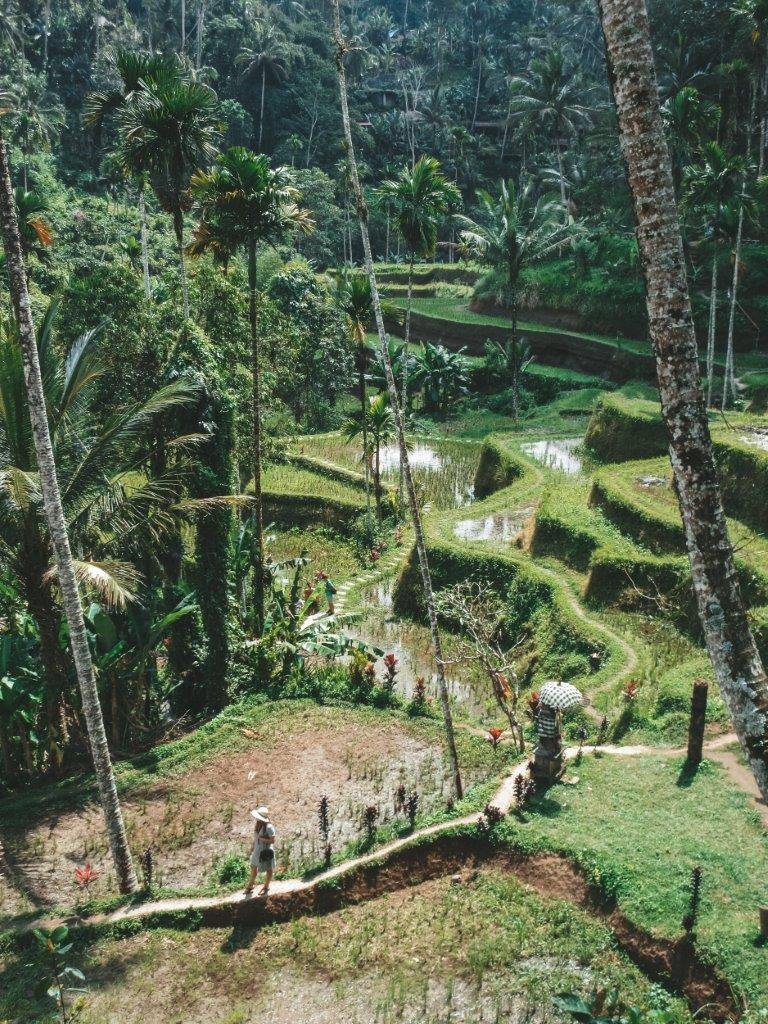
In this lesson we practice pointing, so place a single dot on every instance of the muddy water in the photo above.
(556, 454)
(502, 526)
(410, 643)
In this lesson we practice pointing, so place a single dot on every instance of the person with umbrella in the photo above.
(549, 756)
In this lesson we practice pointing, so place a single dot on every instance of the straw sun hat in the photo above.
(261, 814)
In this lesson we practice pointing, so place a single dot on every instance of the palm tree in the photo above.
(135, 71)
(688, 118)
(419, 198)
(712, 190)
(269, 57)
(97, 472)
(518, 231)
(35, 231)
(38, 118)
(426, 578)
(168, 130)
(54, 512)
(509, 362)
(734, 655)
(245, 202)
(550, 95)
(354, 298)
(377, 426)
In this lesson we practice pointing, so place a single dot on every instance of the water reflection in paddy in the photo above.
(501, 526)
(410, 643)
(556, 454)
(443, 471)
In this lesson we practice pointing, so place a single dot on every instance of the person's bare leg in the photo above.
(267, 879)
(251, 881)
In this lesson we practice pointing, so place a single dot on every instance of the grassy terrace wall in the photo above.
(308, 491)
(651, 517)
(623, 429)
(537, 607)
(427, 273)
(602, 358)
(497, 468)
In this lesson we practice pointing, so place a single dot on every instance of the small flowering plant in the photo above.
(629, 693)
(390, 671)
(86, 876)
(494, 736)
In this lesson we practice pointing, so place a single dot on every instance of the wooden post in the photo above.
(764, 923)
(697, 722)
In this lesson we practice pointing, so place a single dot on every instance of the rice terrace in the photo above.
(383, 520)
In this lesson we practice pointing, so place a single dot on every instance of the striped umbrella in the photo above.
(560, 696)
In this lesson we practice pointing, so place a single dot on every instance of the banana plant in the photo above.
(124, 648)
(294, 627)
(21, 694)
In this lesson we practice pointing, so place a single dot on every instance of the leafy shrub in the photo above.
(230, 869)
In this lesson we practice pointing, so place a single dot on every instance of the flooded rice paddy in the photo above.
(505, 527)
(556, 454)
(443, 471)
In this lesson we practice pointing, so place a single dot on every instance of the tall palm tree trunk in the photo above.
(563, 197)
(729, 386)
(258, 509)
(54, 514)
(261, 109)
(731, 647)
(362, 213)
(178, 228)
(404, 390)
(143, 240)
(200, 34)
(712, 333)
(364, 419)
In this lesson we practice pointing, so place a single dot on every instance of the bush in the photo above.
(231, 869)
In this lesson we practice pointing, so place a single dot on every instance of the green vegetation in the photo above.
(617, 825)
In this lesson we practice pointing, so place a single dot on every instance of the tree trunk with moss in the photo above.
(730, 644)
(258, 507)
(362, 213)
(54, 513)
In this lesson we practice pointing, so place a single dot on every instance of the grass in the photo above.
(283, 479)
(639, 830)
(326, 550)
(457, 311)
(432, 953)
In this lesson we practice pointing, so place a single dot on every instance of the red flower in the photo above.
(630, 692)
(84, 876)
(494, 737)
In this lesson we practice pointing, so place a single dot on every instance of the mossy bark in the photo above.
(730, 644)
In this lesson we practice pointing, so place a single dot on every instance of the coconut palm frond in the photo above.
(115, 582)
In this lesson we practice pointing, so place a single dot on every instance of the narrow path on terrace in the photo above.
(503, 801)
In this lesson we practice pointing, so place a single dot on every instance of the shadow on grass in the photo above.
(687, 774)
(241, 937)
